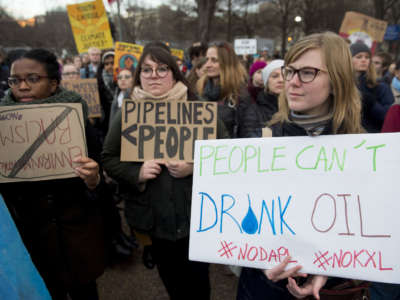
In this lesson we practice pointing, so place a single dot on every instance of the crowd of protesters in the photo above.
(72, 227)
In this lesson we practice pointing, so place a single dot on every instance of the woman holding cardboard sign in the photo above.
(320, 97)
(158, 199)
(60, 221)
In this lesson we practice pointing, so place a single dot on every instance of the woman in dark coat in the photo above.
(258, 114)
(314, 102)
(225, 82)
(376, 96)
(158, 202)
(60, 221)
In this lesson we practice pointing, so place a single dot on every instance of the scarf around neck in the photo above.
(212, 92)
(314, 125)
(178, 92)
(60, 96)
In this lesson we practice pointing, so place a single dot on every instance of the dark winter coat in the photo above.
(162, 210)
(229, 112)
(257, 115)
(376, 102)
(60, 221)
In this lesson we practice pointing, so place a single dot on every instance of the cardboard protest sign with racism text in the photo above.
(127, 56)
(362, 28)
(90, 25)
(89, 91)
(330, 202)
(39, 142)
(165, 129)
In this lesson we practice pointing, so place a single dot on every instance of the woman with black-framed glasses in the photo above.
(319, 97)
(61, 221)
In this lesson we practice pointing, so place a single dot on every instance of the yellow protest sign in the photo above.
(177, 52)
(90, 25)
(362, 28)
(127, 56)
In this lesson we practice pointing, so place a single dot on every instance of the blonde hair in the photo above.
(346, 103)
(233, 75)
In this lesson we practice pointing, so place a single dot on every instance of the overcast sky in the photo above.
(29, 8)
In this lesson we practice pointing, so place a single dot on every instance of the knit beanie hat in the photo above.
(359, 47)
(259, 64)
(107, 54)
(277, 63)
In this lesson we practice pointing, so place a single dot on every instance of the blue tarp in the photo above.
(19, 278)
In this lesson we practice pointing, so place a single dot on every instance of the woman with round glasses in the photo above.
(320, 97)
(124, 89)
(60, 221)
(159, 192)
(376, 97)
(225, 82)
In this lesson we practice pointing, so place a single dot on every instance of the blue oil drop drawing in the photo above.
(249, 223)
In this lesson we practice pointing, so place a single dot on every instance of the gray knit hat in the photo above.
(277, 63)
(359, 47)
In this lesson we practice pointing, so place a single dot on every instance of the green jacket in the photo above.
(163, 209)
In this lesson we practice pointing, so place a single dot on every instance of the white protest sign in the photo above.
(330, 202)
(245, 46)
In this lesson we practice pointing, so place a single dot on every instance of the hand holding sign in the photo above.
(88, 170)
(279, 272)
(311, 287)
(149, 170)
(179, 169)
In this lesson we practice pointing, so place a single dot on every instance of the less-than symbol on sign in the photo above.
(127, 134)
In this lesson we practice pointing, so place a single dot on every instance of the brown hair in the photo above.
(233, 75)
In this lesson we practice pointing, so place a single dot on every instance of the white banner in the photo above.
(245, 46)
(330, 202)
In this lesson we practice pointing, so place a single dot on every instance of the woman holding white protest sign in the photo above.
(320, 98)
(60, 220)
(158, 192)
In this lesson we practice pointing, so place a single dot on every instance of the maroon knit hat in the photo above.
(259, 64)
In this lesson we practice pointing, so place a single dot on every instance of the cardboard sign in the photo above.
(126, 56)
(358, 27)
(165, 129)
(178, 53)
(330, 202)
(90, 25)
(245, 46)
(39, 142)
(89, 91)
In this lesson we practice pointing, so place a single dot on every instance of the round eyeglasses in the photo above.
(160, 71)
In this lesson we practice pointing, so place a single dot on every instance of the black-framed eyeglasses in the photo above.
(160, 71)
(31, 79)
(305, 75)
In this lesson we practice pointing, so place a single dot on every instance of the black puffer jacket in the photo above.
(256, 115)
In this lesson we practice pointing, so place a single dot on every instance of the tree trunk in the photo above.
(205, 9)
